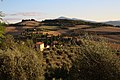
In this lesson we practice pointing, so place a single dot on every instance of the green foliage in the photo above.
(88, 60)
(20, 62)
(71, 23)
(96, 61)
(8, 42)
(57, 62)
(1, 32)
(18, 65)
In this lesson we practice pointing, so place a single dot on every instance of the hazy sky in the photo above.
(96, 10)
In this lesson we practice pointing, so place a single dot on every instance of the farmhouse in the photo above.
(39, 46)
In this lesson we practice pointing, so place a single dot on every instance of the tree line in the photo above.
(71, 23)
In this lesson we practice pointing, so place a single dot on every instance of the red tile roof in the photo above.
(39, 43)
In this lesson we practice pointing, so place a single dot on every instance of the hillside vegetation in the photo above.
(2, 28)
(78, 50)
(71, 23)
(88, 60)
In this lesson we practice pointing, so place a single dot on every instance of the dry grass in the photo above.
(79, 27)
(112, 38)
(114, 46)
(49, 27)
(55, 33)
(105, 29)
(29, 23)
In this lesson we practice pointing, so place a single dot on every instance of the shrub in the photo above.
(96, 61)
(20, 63)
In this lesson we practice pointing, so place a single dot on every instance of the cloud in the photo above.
(15, 17)
(12, 18)
(25, 14)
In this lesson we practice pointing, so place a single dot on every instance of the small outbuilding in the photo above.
(39, 46)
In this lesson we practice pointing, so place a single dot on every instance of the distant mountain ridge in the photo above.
(71, 22)
(65, 21)
(115, 23)
(62, 17)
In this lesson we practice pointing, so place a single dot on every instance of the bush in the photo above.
(96, 61)
(20, 63)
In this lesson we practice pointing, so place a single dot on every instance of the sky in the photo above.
(94, 10)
